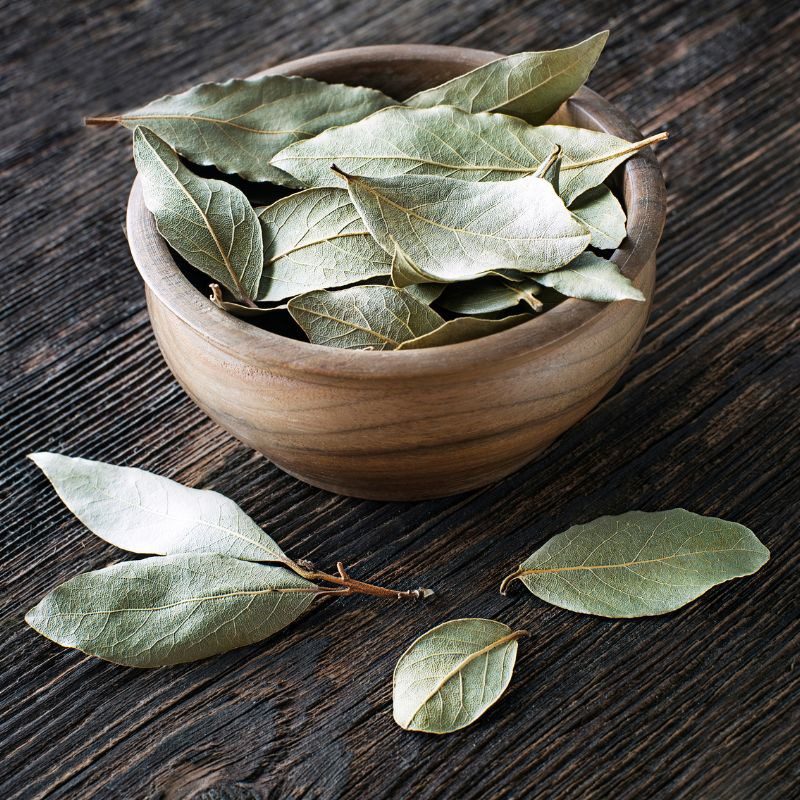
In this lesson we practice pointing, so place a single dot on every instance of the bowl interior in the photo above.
(400, 70)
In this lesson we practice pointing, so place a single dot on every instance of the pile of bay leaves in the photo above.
(447, 217)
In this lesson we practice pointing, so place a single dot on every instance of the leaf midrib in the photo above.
(577, 567)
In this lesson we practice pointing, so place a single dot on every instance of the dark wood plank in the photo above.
(701, 703)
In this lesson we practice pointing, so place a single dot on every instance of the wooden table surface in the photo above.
(701, 703)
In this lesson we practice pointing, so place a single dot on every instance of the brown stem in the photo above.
(101, 120)
(506, 582)
(350, 585)
(549, 161)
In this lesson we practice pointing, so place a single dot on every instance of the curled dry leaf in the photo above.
(527, 85)
(373, 317)
(590, 277)
(168, 610)
(316, 239)
(491, 294)
(463, 329)
(141, 512)
(209, 222)
(639, 563)
(452, 674)
(451, 230)
(237, 126)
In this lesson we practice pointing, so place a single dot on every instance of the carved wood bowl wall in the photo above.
(420, 423)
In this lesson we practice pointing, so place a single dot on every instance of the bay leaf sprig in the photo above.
(452, 674)
(237, 126)
(639, 563)
(218, 582)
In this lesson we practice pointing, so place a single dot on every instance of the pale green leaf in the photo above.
(639, 563)
(527, 85)
(145, 513)
(425, 292)
(462, 329)
(237, 126)
(451, 143)
(238, 310)
(590, 277)
(316, 240)
(452, 230)
(589, 157)
(210, 223)
(168, 610)
(363, 317)
(490, 294)
(602, 214)
(452, 674)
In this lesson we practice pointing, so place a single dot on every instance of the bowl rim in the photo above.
(646, 210)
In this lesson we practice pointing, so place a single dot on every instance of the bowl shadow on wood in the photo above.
(408, 425)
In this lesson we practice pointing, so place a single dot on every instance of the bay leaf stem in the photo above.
(509, 579)
(349, 585)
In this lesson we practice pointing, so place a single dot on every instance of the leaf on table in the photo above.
(209, 222)
(639, 563)
(602, 214)
(363, 317)
(316, 239)
(145, 513)
(590, 277)
(490, 294)
(452, 674)
(171, 609)
(237, 126)
(451, 230)
(463, 329)
(527, 85)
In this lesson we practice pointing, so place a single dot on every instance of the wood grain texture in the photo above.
(421, 424)
(700, 703)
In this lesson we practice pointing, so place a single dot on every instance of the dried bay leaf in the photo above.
(425, 292)
(463, 329)
(451, 230)
(237, 126)
(526, 85)
(209, 222)
(452, 674)
(237, 309)
(316, 239)
(363, 317)
(168, 610)
(144, 513)
(639, 563)
(490, 294)
(447, 142)
(603, 215)
(589, 157)
(590, 277)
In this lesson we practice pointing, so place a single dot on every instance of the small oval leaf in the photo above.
(145, 513)
(640, 563)
(210, 223)
(490, 294)
(171, 609)
(363, 317)
(452, 674)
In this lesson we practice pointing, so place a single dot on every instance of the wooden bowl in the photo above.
(407, 425)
